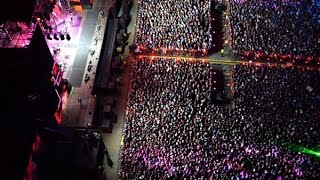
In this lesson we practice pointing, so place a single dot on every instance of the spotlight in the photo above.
(61, 37)
(98, 28)
(101, 14)
(49, 37)
(55, 36)
(68, 37)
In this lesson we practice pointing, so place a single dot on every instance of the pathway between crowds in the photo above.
(227, 60)
(209, 59)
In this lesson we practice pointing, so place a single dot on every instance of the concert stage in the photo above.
(81, 66)
(39, 60)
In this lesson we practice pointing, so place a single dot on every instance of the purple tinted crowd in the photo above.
(174, 25)
(275, 29)
(173, 129)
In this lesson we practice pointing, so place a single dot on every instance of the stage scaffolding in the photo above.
(14, 34)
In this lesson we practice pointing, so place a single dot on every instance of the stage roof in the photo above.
(17, 10)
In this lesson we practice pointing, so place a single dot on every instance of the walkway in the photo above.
(113, 140)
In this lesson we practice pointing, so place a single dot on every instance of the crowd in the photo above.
(174, 26)
(276, 29)
(173, 129)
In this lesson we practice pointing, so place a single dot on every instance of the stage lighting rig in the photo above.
(55, 36)
(49, 37)
(68, 37)
(61, 37)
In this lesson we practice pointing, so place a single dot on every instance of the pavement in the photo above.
(113, 140)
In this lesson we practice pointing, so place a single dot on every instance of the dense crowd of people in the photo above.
(174, 131)
(174, 26)
(276, 29)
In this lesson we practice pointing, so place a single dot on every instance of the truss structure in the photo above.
(15, 34)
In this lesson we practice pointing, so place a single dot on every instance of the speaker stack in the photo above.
(87, 4)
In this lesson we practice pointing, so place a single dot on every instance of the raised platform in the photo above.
(82, 73)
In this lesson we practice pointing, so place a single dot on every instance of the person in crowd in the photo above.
(174, 130)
